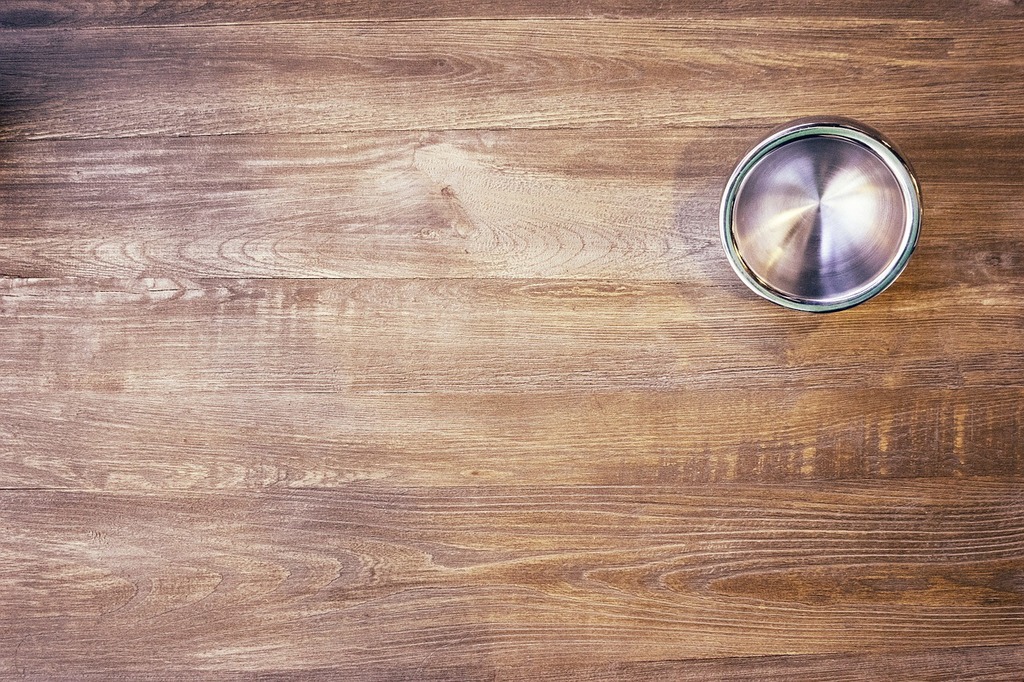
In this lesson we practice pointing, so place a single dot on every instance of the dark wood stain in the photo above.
(362, 340)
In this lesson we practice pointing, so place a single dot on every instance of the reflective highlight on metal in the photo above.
(821, 215)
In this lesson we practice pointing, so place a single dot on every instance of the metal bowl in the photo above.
(821, 215)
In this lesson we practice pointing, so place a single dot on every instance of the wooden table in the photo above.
(362, 340)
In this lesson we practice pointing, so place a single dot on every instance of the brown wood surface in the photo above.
(394, 341)
(316, 77)
(107, 13)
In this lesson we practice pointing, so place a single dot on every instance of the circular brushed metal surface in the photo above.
(821, 216)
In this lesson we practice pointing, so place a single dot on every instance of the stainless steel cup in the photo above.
(821, 215)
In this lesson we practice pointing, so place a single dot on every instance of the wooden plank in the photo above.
(491, 337)
(174, 439)
(466, 582)
(592, 204)
(113, 13)
(500, 74)
(306, 383)
(964, 664)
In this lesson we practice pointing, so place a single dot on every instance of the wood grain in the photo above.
(394, 341)
(239, 439)
(322, 77)
(120, 13)
(483, 336)
(427, 382)
(625, 205)
(384, 583)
